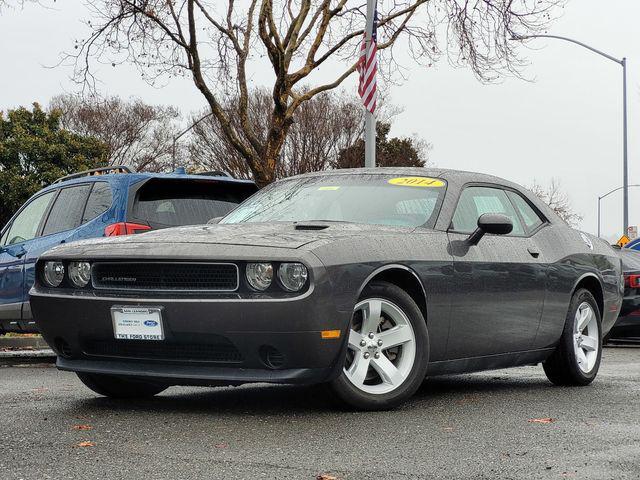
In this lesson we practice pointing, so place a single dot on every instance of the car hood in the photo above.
(277, 235)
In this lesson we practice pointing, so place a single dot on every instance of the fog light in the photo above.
(259, 275)
(53, 274)
(293, 276)
(80, 273)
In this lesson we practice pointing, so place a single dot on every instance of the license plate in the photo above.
(137, 323)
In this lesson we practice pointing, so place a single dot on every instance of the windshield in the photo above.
(371, 199)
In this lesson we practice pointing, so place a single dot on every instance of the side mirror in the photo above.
(16, 251)
(494, 223)
(214, 220)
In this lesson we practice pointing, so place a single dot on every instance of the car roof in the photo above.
(135, 177)
(457, 176)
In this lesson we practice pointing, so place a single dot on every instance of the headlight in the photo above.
(293, 276)
(80, 273)
(53, 273)
(259, 275)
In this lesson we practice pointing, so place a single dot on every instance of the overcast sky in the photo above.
(567, 123)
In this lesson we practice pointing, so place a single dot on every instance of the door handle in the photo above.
(535, 253)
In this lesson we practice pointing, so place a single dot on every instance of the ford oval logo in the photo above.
(151, 323)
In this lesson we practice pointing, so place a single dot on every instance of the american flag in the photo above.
(367, 69)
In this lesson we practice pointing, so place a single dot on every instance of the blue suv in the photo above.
(102, 202)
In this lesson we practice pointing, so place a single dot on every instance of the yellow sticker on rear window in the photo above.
(417, 182)
(328, 188)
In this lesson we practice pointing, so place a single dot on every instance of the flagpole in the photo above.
(369, 120)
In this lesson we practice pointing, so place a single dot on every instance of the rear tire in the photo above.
(388, 350)
(120, 387)
(577, 358)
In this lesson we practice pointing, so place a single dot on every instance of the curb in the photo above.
(13, 357)
(31, 343)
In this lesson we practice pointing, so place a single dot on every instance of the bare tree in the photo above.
(323, 128)
(558, 200)
(12, 3)
(214, 43)
(136, 134)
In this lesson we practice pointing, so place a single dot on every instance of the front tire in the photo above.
(577, 358)
(120, 387)
(388, 350)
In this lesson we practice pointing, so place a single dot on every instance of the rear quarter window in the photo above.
(531, 218)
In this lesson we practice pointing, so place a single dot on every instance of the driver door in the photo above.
(16, 242)
(500, 282)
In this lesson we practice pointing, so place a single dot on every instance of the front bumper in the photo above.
(207, 340)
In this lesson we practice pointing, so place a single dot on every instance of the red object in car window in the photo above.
(124, 228)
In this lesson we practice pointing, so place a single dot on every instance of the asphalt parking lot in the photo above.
(467, 426)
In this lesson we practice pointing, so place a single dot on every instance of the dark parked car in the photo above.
(367, 280)
(103, 202)
(627, 327)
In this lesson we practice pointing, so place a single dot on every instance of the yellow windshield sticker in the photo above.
(417, 182)
(328, 188)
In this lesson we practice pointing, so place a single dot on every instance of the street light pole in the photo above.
(179, 135)
(625, 165)
(606, 195)
(625, 174)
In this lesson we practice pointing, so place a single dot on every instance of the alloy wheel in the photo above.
(586, 337)
(382, 347)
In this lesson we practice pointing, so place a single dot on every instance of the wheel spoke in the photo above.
(387, 370)
(358, 369)
(354, 340)
(395, 336)
(589, 343)
(372, 314)
(582, 358)
(584, 319)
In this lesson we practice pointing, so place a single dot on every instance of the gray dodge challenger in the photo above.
(367, 280)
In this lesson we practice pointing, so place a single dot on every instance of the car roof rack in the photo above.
(97, 171)
(214, 173)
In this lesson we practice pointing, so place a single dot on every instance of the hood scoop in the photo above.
(311, 226)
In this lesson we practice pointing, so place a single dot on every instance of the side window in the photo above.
(475, 201)
(25, 225)
(531, 218)
(99, 201)
(66, 212)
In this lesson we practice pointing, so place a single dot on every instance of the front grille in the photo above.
(223, 352)
(211, 277)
